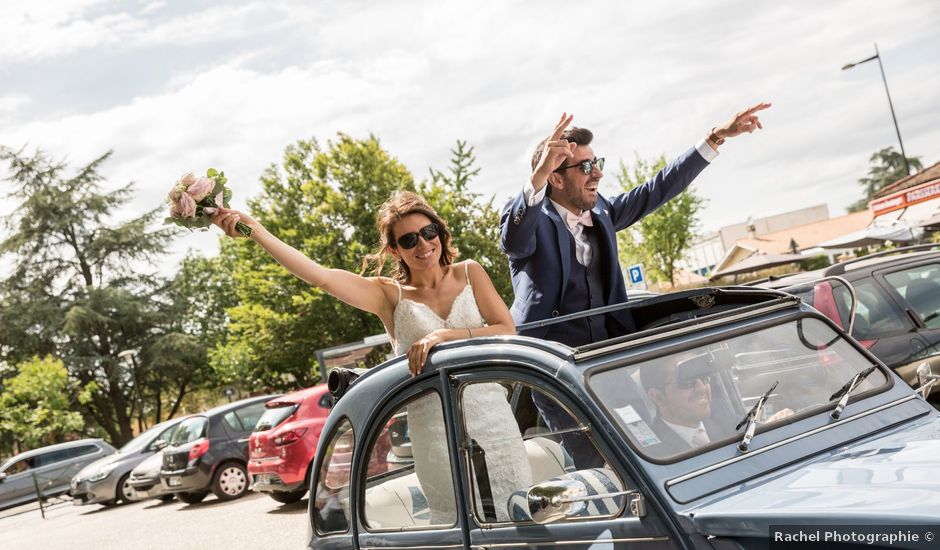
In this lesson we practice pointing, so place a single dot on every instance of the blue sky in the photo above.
(177, 86)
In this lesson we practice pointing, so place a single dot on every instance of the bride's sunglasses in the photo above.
(410, 240)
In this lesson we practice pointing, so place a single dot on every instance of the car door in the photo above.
(557, 444)
(408, 495)
(18, 485)
(55, 469)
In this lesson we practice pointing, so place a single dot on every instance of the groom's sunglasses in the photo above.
(585, 165)
(410, 240)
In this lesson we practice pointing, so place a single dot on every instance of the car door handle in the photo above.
(243, 440)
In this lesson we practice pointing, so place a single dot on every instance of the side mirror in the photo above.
(554, 500)
(158, 445)
(3, 475)
(926, 379)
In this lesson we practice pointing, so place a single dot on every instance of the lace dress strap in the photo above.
(399, 292)
(466, 270)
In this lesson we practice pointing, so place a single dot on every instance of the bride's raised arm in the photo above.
(364, 293)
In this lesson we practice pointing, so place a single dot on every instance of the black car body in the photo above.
(898, 303)
(209, 452)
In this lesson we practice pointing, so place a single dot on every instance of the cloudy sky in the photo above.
(180, 85)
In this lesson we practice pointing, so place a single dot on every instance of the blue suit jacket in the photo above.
(537, 240)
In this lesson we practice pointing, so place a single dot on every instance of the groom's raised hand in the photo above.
(745, 121)
(554, 152)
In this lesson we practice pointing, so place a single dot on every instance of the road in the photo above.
(254, 522)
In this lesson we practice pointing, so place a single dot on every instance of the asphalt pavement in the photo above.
(254, 521)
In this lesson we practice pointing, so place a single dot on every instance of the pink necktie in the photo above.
(573, 219)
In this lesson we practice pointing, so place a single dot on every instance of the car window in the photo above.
(232, 421)
(331, 502)
(189, 430)
(875, 317)
(540, 440)
(920, 287)
(141, 440)
(411, 485)
(18, 466)
(83, 450)
(273, 416)
(250, 415)
(326, 401)
(693, 399)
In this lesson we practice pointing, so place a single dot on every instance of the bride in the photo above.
(429, 300)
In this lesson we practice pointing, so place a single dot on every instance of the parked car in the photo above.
(48, 468)
(209, 452)
(145, 479)
(282, 445)
(898, 303)
(106, 481)
(802, 426)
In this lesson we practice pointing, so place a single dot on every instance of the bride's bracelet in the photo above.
(469, 333)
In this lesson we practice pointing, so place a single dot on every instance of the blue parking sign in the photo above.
(636, 274)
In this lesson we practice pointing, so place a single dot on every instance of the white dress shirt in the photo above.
(695, 437)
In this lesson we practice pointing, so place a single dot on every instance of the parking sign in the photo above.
(637, 277)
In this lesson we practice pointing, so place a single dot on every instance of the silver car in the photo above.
(47, 469)
(105, 481)
(145, 479)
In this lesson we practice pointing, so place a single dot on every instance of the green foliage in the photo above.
(37, 403)
(322, 202)
(887, 167)
(660, 239)
(79, 289)
(474, 225)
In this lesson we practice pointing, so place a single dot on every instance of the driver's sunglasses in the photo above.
(410, 240)
(586, 166)
(689, 384)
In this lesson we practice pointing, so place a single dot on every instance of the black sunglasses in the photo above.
(689, 384)
(585, 165)
(410, 240)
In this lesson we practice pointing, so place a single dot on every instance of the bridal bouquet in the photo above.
(193, 200)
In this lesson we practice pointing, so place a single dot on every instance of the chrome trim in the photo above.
(697, 327)
(409, 547)
(782, 442)
(569, 542)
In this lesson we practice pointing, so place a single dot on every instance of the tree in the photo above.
(79, 288)
(321, 201)
(37, 403)
(474, 225)
(661, 239)
(887, 167)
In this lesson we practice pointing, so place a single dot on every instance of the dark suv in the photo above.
(209, 452)
(897, 315)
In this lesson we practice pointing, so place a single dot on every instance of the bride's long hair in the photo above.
(399, 205)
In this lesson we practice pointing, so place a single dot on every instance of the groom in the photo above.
(560, 234)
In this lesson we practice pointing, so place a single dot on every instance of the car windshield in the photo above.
(142, 440)
(274, 415)
(189, 430)
(694, 399)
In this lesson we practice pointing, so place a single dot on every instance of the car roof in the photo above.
(228, 407)
(58, 446)
(898, 256)
(300, 395)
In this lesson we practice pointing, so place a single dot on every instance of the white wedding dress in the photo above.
(489, 418)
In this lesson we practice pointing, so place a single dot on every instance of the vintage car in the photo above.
(731, 416)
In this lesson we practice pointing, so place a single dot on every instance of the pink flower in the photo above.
(186, 180)
(183, 207)
(218, 202)
(200, 188)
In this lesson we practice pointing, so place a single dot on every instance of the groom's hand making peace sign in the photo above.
(554, 153)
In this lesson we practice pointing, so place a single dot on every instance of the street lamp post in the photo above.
(877, 56)
(129, 356)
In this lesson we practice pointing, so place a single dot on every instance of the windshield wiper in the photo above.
(751, 419)
(846, 390)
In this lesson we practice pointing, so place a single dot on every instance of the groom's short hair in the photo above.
(581, 136)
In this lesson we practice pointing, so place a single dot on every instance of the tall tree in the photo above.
(474, 224)
(323, 202)
(887, 167)
(79, 287)
(661, 239)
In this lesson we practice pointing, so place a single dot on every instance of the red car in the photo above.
(282, 445)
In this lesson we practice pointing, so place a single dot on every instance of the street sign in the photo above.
(637, 277)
